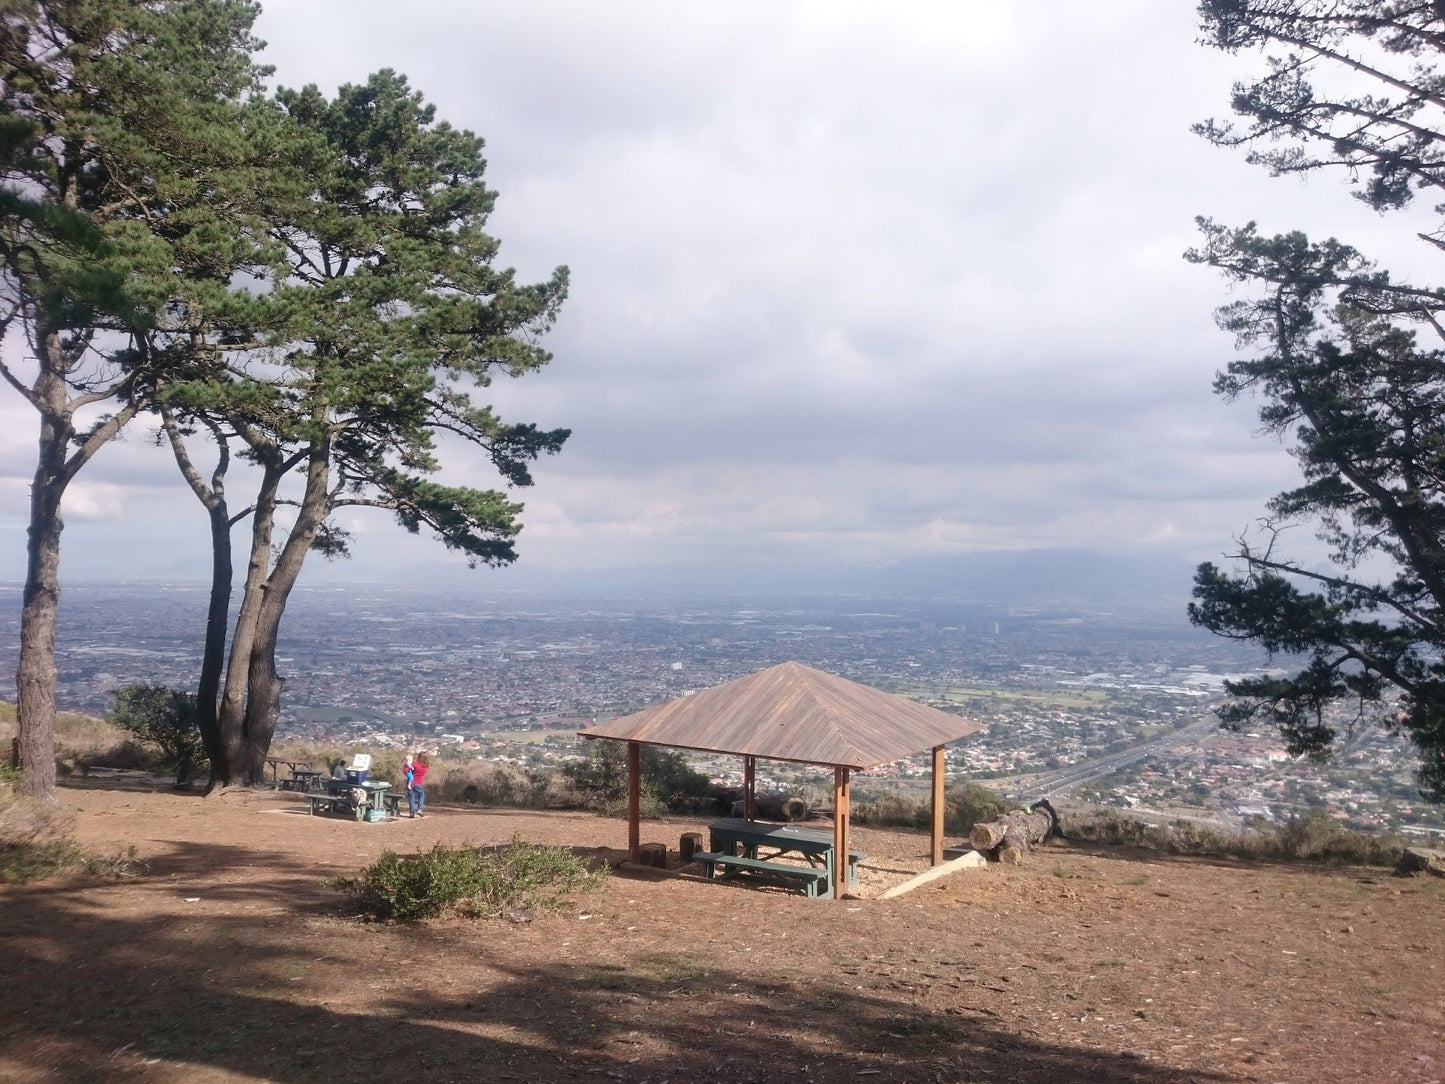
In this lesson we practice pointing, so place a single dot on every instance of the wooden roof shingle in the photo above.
(793, 712)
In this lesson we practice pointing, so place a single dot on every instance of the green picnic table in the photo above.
(736, 848)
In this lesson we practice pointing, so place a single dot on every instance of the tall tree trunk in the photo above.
(213, 657)
(35, 677)
(56, 464)
(232, 717)
(264, 684)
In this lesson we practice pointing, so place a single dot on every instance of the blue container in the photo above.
(356, 778)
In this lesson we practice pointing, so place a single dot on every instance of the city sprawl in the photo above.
(1116, 708)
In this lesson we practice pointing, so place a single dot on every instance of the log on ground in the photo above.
(1014, 834)
(1421, 860)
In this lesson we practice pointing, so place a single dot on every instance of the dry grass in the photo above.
(75, 734)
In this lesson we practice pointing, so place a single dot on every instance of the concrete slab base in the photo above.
(965, 860)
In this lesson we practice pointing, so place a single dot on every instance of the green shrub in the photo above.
(1314, 837)
(482, 783)
(167, 719)
(1318, 837)
(601, 778)
(469, 881)
(964, 806)
(126, 755)
(650, 805)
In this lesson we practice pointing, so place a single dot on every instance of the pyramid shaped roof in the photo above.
(793, 712)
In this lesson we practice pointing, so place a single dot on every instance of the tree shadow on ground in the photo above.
(98, 992)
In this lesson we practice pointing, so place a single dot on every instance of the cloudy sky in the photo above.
(851, 282)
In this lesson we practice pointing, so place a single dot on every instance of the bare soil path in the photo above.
(229, 961)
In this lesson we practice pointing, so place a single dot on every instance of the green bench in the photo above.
(341, 803)
(334, 803)
(812, 880)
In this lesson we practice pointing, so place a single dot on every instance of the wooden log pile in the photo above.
(1014, 834)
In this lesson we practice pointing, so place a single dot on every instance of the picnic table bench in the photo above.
(334, 803)
(302, 779)
(813, 880)
(735, 837)
(339, 800)
(293, 766)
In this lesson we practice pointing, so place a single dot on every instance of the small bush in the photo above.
(650, 805)
(675, 785)
(964, 806)
(468, 881)
(125, 755)
(167, 719)
(1316, 837)
(480, 783)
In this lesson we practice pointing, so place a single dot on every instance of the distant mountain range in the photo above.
(1056, 577)
(1005, 578)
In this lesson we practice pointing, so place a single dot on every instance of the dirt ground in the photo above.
(229, 960)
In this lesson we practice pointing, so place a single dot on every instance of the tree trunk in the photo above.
(232, 717)
(56, 464)
(1013, 835)
(213, 658)
(263, 684)
(35, 675)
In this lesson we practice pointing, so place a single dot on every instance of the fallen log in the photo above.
(1014, 834)
(1421, 860)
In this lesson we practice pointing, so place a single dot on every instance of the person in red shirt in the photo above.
(415, 769)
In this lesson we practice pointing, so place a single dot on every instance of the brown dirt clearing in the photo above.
(228, 960)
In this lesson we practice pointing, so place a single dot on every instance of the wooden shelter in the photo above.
(792, 712)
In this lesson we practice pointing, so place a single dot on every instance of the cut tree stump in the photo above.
(1421, 860)
(1013, 835)
(689, 845)
(653, 854)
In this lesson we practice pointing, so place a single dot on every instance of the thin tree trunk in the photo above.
(213, 657)
(232, 720)
(264, 684)
(56, 464)
(36, 674)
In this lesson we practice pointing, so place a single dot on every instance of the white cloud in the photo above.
(850, 281)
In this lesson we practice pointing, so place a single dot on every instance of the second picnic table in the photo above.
(734, 835)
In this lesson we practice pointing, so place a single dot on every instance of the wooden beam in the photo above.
(634, 801)
(938, 805)
(841, 790)
(750, 787)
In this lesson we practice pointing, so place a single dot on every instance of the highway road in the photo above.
(1059, 783)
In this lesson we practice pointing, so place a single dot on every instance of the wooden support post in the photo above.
(840, 832)
(938, 805)
(634, 801)
(750, 787)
